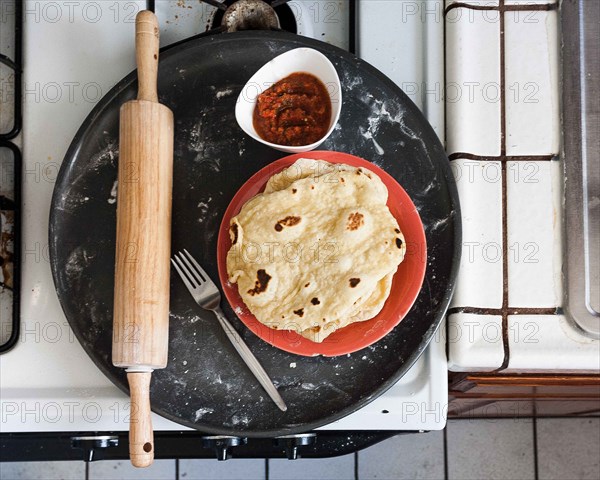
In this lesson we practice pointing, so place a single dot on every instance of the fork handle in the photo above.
(250, 360)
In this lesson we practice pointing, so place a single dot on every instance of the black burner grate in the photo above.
(10, 199)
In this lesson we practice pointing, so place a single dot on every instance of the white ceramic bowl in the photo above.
(297, 60)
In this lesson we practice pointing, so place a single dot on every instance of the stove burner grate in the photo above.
(10, 183)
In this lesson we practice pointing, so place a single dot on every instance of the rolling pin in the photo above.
(143, 245)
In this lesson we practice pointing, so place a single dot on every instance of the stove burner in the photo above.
(250, 15)
(254, 15)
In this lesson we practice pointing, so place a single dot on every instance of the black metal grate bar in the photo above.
(215, 3)
(352, 46)
(16, 254)
(16, 64)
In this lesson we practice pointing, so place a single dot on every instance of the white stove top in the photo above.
(74, 54)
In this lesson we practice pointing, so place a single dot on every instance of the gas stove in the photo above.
(74, 53)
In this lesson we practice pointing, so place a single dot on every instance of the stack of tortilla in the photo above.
(317, 250)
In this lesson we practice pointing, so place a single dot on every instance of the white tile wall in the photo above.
(480, 192)
(534, 234)
(532, 83)
(549, 343)
(534, 188)
(473, 82)
(474, 342)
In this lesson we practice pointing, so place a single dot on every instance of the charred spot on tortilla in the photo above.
(299, 312)
(397, 230)
(398, 243)
(234, 231)
(354, 282)
(294, 190)
(306, 286)
(261, 283)
(312, 187)
(316, 329)
(355, 221)
(342, 180)
(288, 221)
(315, 301)
(360, 171)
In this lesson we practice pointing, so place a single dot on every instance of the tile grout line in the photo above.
(536, 470)
(468, 6)
(356, 466)
(501, 10)
(498, 311)
(501, 158)
(266, 469)
(445, 435)
(176, 469)
(545, 7)
(505, 339)
(87, 470)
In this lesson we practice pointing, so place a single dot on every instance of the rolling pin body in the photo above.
(143, 244)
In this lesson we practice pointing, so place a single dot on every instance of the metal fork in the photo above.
(207, 295)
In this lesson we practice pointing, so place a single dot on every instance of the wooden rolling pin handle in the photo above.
(146, 54)
(141, 435)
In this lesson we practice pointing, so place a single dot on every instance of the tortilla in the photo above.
(317, 250)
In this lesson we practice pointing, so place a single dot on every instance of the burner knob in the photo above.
(291, 443)
(91, 444)
(221, 444)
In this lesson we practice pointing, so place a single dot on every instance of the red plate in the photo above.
(405, 286)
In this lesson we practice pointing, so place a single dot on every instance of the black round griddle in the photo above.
(206, 385)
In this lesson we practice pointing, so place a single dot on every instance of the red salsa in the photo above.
(295, 111)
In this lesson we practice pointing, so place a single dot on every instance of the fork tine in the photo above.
(197, 265)
(190, 268)
(183, 276)
(187, 269)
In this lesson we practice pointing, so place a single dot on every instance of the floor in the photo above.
(520, 449)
